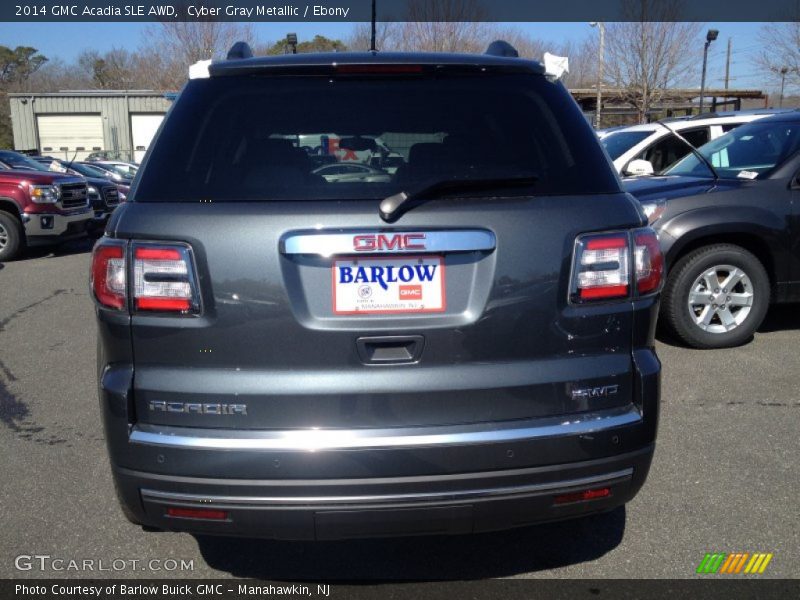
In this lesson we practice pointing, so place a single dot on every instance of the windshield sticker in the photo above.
(747, 175)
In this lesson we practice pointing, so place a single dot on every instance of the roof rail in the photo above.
(240, 50)
(502, 48)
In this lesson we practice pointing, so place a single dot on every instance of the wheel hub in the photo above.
(720, 299)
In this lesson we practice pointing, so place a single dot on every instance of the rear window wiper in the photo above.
(394, 206)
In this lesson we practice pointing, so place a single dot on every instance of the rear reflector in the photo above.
(163, 278)
(208, 514)
(108, 274)
(583, 496)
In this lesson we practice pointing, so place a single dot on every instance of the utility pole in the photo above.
(728, 64)
(600, 60)
(784, 70)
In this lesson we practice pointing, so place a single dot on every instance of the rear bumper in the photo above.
(345, 508)
(327, 484)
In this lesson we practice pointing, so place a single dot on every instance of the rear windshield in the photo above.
(618, 143)
(257, 137)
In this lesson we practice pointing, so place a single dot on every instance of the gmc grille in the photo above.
(73, 195)
(110, 196)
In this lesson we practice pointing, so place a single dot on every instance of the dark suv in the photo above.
(464, 346)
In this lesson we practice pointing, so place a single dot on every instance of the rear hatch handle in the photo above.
(390, 349)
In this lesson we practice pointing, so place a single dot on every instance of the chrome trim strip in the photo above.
(332, 244)
(533, 488)
(339, 439)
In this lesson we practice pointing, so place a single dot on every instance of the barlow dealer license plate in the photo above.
(408, 284)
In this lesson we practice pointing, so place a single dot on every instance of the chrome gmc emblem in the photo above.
(388, 243)
(343, 243)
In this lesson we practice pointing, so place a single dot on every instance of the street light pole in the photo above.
(600, 60)
(710, 37)
(784, 70)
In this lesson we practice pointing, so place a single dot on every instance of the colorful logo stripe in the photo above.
(734, 563)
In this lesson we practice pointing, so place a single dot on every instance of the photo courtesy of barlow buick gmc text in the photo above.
(408, 298)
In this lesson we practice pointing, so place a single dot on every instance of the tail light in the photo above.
(163, 277)
(602, 266)
(649, 261)
(108, 274)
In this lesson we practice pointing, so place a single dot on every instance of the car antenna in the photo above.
(74, 156)
(692, 148)
(372, 47)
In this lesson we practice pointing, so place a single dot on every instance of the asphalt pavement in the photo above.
(725, 478)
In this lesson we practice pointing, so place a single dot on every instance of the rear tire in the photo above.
(716, 297)
(12, 239)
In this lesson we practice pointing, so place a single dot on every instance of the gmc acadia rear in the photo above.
(465, 345)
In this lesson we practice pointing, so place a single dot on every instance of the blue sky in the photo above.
(67, 40)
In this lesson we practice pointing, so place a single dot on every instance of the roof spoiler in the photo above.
(239, 50)
(502, 48)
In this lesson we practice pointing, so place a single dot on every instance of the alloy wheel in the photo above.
(720, 298)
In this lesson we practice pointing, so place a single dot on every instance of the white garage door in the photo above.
(66, 136)
(143, 128)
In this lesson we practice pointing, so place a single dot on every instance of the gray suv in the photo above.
(466, 345)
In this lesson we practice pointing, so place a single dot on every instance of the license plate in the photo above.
(368, 286)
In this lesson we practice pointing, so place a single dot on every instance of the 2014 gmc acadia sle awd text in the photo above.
(464, 344)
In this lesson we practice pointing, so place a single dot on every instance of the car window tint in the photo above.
(751, 151)
(426, 129)
(618, 143)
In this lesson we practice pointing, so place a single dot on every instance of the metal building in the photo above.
(74, 124)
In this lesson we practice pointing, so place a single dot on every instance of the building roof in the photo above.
(677, 93)
(90, 93)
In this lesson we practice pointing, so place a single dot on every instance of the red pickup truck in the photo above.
(38, 208)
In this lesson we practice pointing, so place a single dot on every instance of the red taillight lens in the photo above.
(209, 514)
(583, 496)
(602, 267)
(649, 261)
(108, 274)
(164, 278)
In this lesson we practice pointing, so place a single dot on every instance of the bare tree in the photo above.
(780, 49)
(527, 46)
(386, 36)
(168, 48)
(155, 71)
(195, 40)
(443, 26)
(57, 75)
(647, 55)
(114, 69)
(582, 63)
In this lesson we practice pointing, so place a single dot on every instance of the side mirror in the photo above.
(639, 167)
